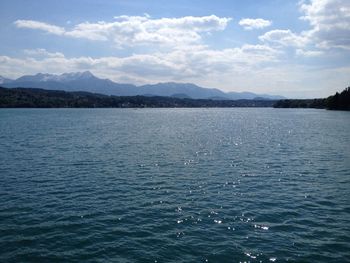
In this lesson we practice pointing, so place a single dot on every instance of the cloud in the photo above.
(42, 52)
(330, 21)
(284, 38)
(258, 23)
(308, 53)
(330, 27)
(56, 30)
(138, 30)
(191, 63)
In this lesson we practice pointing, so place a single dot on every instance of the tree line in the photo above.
(40, 98)
(338, 101)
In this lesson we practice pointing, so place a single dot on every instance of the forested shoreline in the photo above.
(339, 101)
(41, 98)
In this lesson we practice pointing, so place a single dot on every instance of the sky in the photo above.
(298, 49)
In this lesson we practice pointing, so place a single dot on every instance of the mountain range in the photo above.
(86, 81)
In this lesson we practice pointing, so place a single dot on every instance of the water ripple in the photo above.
(174, 185)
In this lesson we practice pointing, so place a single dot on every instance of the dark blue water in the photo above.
(174, 185)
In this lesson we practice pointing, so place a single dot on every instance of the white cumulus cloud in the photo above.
(285, 38)
(42, 52)
(308, 53)
(258, 23)
(52, 29)
(138, 30)
(330, 21)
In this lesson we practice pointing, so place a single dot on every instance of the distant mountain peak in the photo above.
(43, 76)
(76, 76)
(83, 74)
(87, 74)
(65, 77)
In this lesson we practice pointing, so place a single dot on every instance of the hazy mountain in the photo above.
(66, 77)
(79, 81)
(4, 80)
(170, 88)
(86, 81)
(252, 96)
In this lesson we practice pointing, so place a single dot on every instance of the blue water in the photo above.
(174, 185)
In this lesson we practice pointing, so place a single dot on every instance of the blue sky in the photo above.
(291, 48)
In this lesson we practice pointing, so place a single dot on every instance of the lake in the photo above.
(174, 185)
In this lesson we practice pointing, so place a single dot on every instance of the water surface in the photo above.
(174, 185)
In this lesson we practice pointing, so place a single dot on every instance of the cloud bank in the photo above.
(137, 30)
